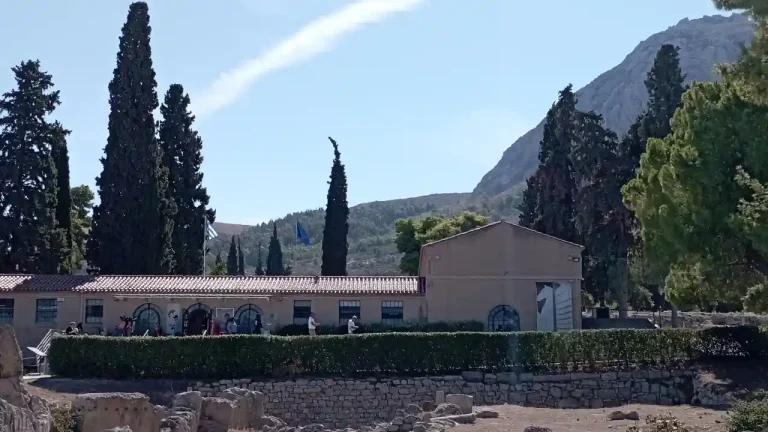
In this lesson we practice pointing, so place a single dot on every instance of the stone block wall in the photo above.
(361, 401)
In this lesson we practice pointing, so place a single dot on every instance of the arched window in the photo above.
(246, 316)
(146, 317)
(503, 318)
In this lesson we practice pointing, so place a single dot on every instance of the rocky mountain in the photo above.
(619, 94)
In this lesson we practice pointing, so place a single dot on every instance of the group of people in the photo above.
(312, 325)
(229, 326)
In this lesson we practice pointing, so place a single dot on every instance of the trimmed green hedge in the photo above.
(436, 327)
(394, 353)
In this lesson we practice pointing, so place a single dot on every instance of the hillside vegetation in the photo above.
(372, 248)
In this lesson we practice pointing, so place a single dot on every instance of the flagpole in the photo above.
(205, 237)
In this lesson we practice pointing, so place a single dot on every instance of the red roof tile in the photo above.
(211, 284)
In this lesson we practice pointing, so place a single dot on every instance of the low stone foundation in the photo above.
(361, 401)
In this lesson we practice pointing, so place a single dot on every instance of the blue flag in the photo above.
(301, 235)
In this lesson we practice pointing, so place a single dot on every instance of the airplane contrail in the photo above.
(314, 38)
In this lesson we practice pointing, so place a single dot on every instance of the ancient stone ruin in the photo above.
(19, 412)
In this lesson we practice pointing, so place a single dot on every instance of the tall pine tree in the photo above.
(335, 244)
(240, 259)
(132, 225)
(274, 255)
(259, 263)
(549, 207)
(182, 147)
(232, 267)
(31, 239)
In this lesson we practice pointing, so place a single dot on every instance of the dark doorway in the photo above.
(197, 322)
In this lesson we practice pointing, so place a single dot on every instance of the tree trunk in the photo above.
(623, 291)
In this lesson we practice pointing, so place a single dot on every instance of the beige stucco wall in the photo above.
(72, 308)
(470, 274)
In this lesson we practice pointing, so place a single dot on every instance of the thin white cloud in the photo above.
(315, 38)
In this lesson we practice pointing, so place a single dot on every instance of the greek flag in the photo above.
(209, 231)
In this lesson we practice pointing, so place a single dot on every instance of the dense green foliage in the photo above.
(232, 258)
(398, 353)
(82, 204)
(575, 194)
(275, 266)
(218, 268)
(182, 146)
(63, 419)
(132, 225)
(750, 415)
(414, 232)
(700, 193)
(336, 228)
(34, 234)
(549, 205)
(240, 259)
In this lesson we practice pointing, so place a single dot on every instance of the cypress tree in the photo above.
(232, 268)
(665, 87)
(549, 206)
(218, 268)
(182, 147)
(528, 205)
(240, 259)
(259, 263)
(335, 245)
(132, 225)
(274, 255)
(60, 155)
(31, 239)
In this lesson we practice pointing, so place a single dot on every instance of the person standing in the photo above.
(257, 325)
(351, 326)
(312, 324)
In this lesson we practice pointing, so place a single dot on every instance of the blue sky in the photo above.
(421, 101)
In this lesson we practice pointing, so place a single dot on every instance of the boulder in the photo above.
(536, 429)
(446, 409)
(620, 415)
(16, 419)
(486, 413)
(10, 354)
(248, 407)
(11, 391)
(99, 411)
(464, 402)
(216, 414)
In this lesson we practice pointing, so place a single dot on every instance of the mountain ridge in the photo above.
(619, 93)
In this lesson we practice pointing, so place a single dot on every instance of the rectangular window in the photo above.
(6, 311)
(94, 311)
(301, 311)
(46, 311)
(392, 313)
(347, 310)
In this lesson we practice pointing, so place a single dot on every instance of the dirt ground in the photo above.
(514, 418)
(511, 417)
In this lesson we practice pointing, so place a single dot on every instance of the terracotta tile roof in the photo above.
(211, 284)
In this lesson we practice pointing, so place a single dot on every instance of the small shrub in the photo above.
(62, 419)
(750, 415)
